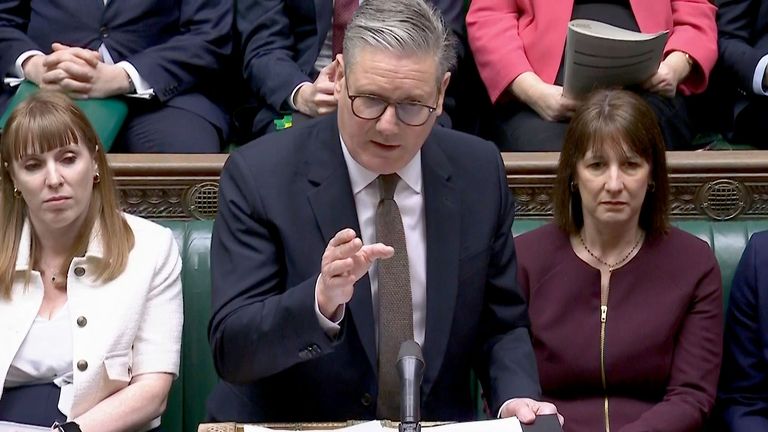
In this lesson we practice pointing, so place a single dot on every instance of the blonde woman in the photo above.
(90, 297)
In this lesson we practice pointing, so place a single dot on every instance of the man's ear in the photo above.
(441, 95)
(338, 76)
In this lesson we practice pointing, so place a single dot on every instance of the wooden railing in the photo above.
(708, 184)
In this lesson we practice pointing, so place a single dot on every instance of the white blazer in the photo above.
(129, 326)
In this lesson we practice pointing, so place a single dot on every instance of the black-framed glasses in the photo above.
(369, 107)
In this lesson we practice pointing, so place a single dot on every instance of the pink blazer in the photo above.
(509, 37)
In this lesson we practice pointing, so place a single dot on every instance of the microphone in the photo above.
(410, 368)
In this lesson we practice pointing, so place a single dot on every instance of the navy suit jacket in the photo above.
(743, 390)
(281, 40)
(743, 40)
(282, 198)
(177, 46)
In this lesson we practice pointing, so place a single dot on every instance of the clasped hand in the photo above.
(344, 262)
(79, 72)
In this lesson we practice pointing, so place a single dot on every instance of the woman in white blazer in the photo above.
(90, 298)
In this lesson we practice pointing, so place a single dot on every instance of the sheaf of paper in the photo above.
(601, 55)
(510, 424)
(16, 427)
(371, 426)
(500, 425)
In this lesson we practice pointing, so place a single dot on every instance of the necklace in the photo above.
(612, 267)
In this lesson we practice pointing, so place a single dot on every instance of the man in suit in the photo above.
(304, 261)
(166, 54)
(289, 48)
(742, 395)
(743, 44)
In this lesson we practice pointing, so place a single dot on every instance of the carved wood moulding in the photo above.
(717, 184)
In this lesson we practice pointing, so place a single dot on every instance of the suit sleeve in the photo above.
(736, 21)
(195, 54)
(268, 45)
(690, 392)
(694, 31)
(492, 28)
(14, 18)
(259, 326)
(743, 391)
(507, 350)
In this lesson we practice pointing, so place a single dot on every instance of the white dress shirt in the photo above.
(757, 80)
(409, 196)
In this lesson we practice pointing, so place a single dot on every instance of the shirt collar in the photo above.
(360, 177)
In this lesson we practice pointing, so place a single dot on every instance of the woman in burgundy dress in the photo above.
(626, 311)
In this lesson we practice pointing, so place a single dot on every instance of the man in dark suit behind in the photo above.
(302, 283)
(742, 393)
(288, 54)
(743, 46)
(166, 54)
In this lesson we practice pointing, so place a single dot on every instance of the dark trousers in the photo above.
(751, 126)
(520, 129)
(34, 405)
(152, 128)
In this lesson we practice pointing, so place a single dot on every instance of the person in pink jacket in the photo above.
(519, 44)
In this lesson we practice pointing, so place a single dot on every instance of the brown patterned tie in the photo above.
(342, 15)
(395, 303)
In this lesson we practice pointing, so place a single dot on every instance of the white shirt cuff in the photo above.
(757, 80)
(292, 98)
(498, 414)
(19, 71)
(143, 89)
(331, 328)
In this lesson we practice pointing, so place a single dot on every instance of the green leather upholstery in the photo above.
(186, 404)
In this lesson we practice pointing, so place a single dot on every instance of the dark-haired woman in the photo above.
(626, 312)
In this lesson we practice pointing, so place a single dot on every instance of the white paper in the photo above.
(510, 424)
(371, 426)
(17, 427)
(500, 425)
(601, 55)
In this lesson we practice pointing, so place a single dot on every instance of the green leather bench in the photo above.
(186, 404)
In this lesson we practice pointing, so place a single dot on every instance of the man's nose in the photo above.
(388, 122)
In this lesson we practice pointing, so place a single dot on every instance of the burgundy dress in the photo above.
(663, 332)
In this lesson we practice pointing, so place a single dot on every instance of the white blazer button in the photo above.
(81, 321)
(82, 365)
(79, 271)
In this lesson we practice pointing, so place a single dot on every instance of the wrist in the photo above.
(526, 87)
(33, 68)
(130, 86)
(682, 63)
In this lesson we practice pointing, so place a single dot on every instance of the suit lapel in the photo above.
(441, 204)
(333, 205)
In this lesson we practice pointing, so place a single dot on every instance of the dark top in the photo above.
(663, 334)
